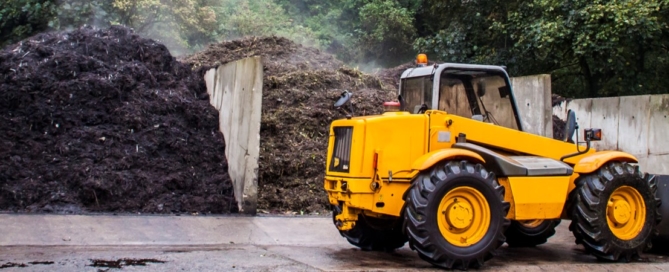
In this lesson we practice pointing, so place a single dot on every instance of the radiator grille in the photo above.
(341, 157)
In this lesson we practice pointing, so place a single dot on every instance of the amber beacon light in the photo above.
(421, 60)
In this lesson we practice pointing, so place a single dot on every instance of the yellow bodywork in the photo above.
(536, 198)
(405, 144)
(429, 159)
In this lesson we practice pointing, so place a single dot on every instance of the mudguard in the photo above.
(429, 159)
(592, 162)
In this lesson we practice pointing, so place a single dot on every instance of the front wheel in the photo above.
(372, 234)
(455, 215)
(615, 212)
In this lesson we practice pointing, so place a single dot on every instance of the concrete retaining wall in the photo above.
(533, 99)
(235, 89)
(635, 124)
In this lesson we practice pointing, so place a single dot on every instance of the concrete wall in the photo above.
(635, 124)
(533, 99)
(235, 90)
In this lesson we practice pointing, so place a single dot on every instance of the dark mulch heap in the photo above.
(104, 120)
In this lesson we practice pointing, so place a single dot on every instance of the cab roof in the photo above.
(429, 69)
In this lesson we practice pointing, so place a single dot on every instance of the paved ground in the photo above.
(199, 243)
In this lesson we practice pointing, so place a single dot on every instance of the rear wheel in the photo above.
(455, 215)
(373, 234)
(615, 212)
(529, 233)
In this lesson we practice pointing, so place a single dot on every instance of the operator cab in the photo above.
(480, 92)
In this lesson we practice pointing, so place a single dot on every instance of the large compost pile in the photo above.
(301, 85)
(104, 120)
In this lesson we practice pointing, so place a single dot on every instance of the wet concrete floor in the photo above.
(264, 243)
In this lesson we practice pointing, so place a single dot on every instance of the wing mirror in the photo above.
(570, 127)
(343, 98)
(589, 134)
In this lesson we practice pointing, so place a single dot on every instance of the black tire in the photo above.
(521, 235)
(589, 212)
(372, 234)
(422, 204)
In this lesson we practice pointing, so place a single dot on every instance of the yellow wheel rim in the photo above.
(463, 216)
(626, 213)
(531, 223)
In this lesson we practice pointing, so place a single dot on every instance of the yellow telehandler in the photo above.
(449, 169)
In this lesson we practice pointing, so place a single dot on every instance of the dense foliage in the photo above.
(590, 47)
(22, 18)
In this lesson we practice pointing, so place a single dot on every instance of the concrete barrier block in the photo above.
(250, 99)
(633, 124)
(655, 164)
(533, 99)
(226, 75)
(237, 94)
(604, 115)
(658, 142)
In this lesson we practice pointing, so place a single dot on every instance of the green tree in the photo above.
(184, 25)
(75, 13)
(20, 19)
(600, 47)
(591, 47)
(360, 31)
(386, 29)
(460, 31)
(260, 18)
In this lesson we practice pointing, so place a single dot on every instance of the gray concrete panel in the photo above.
(638, 125)
(236, 91)
(605, 115)
(658, 137)
(633, 125)
(655, 164)
(533, 99)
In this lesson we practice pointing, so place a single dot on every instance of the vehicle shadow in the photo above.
(505, 258)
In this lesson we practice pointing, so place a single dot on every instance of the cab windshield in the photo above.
(417, 92)
(477, 94)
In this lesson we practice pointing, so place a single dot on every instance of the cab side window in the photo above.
(497, 103)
